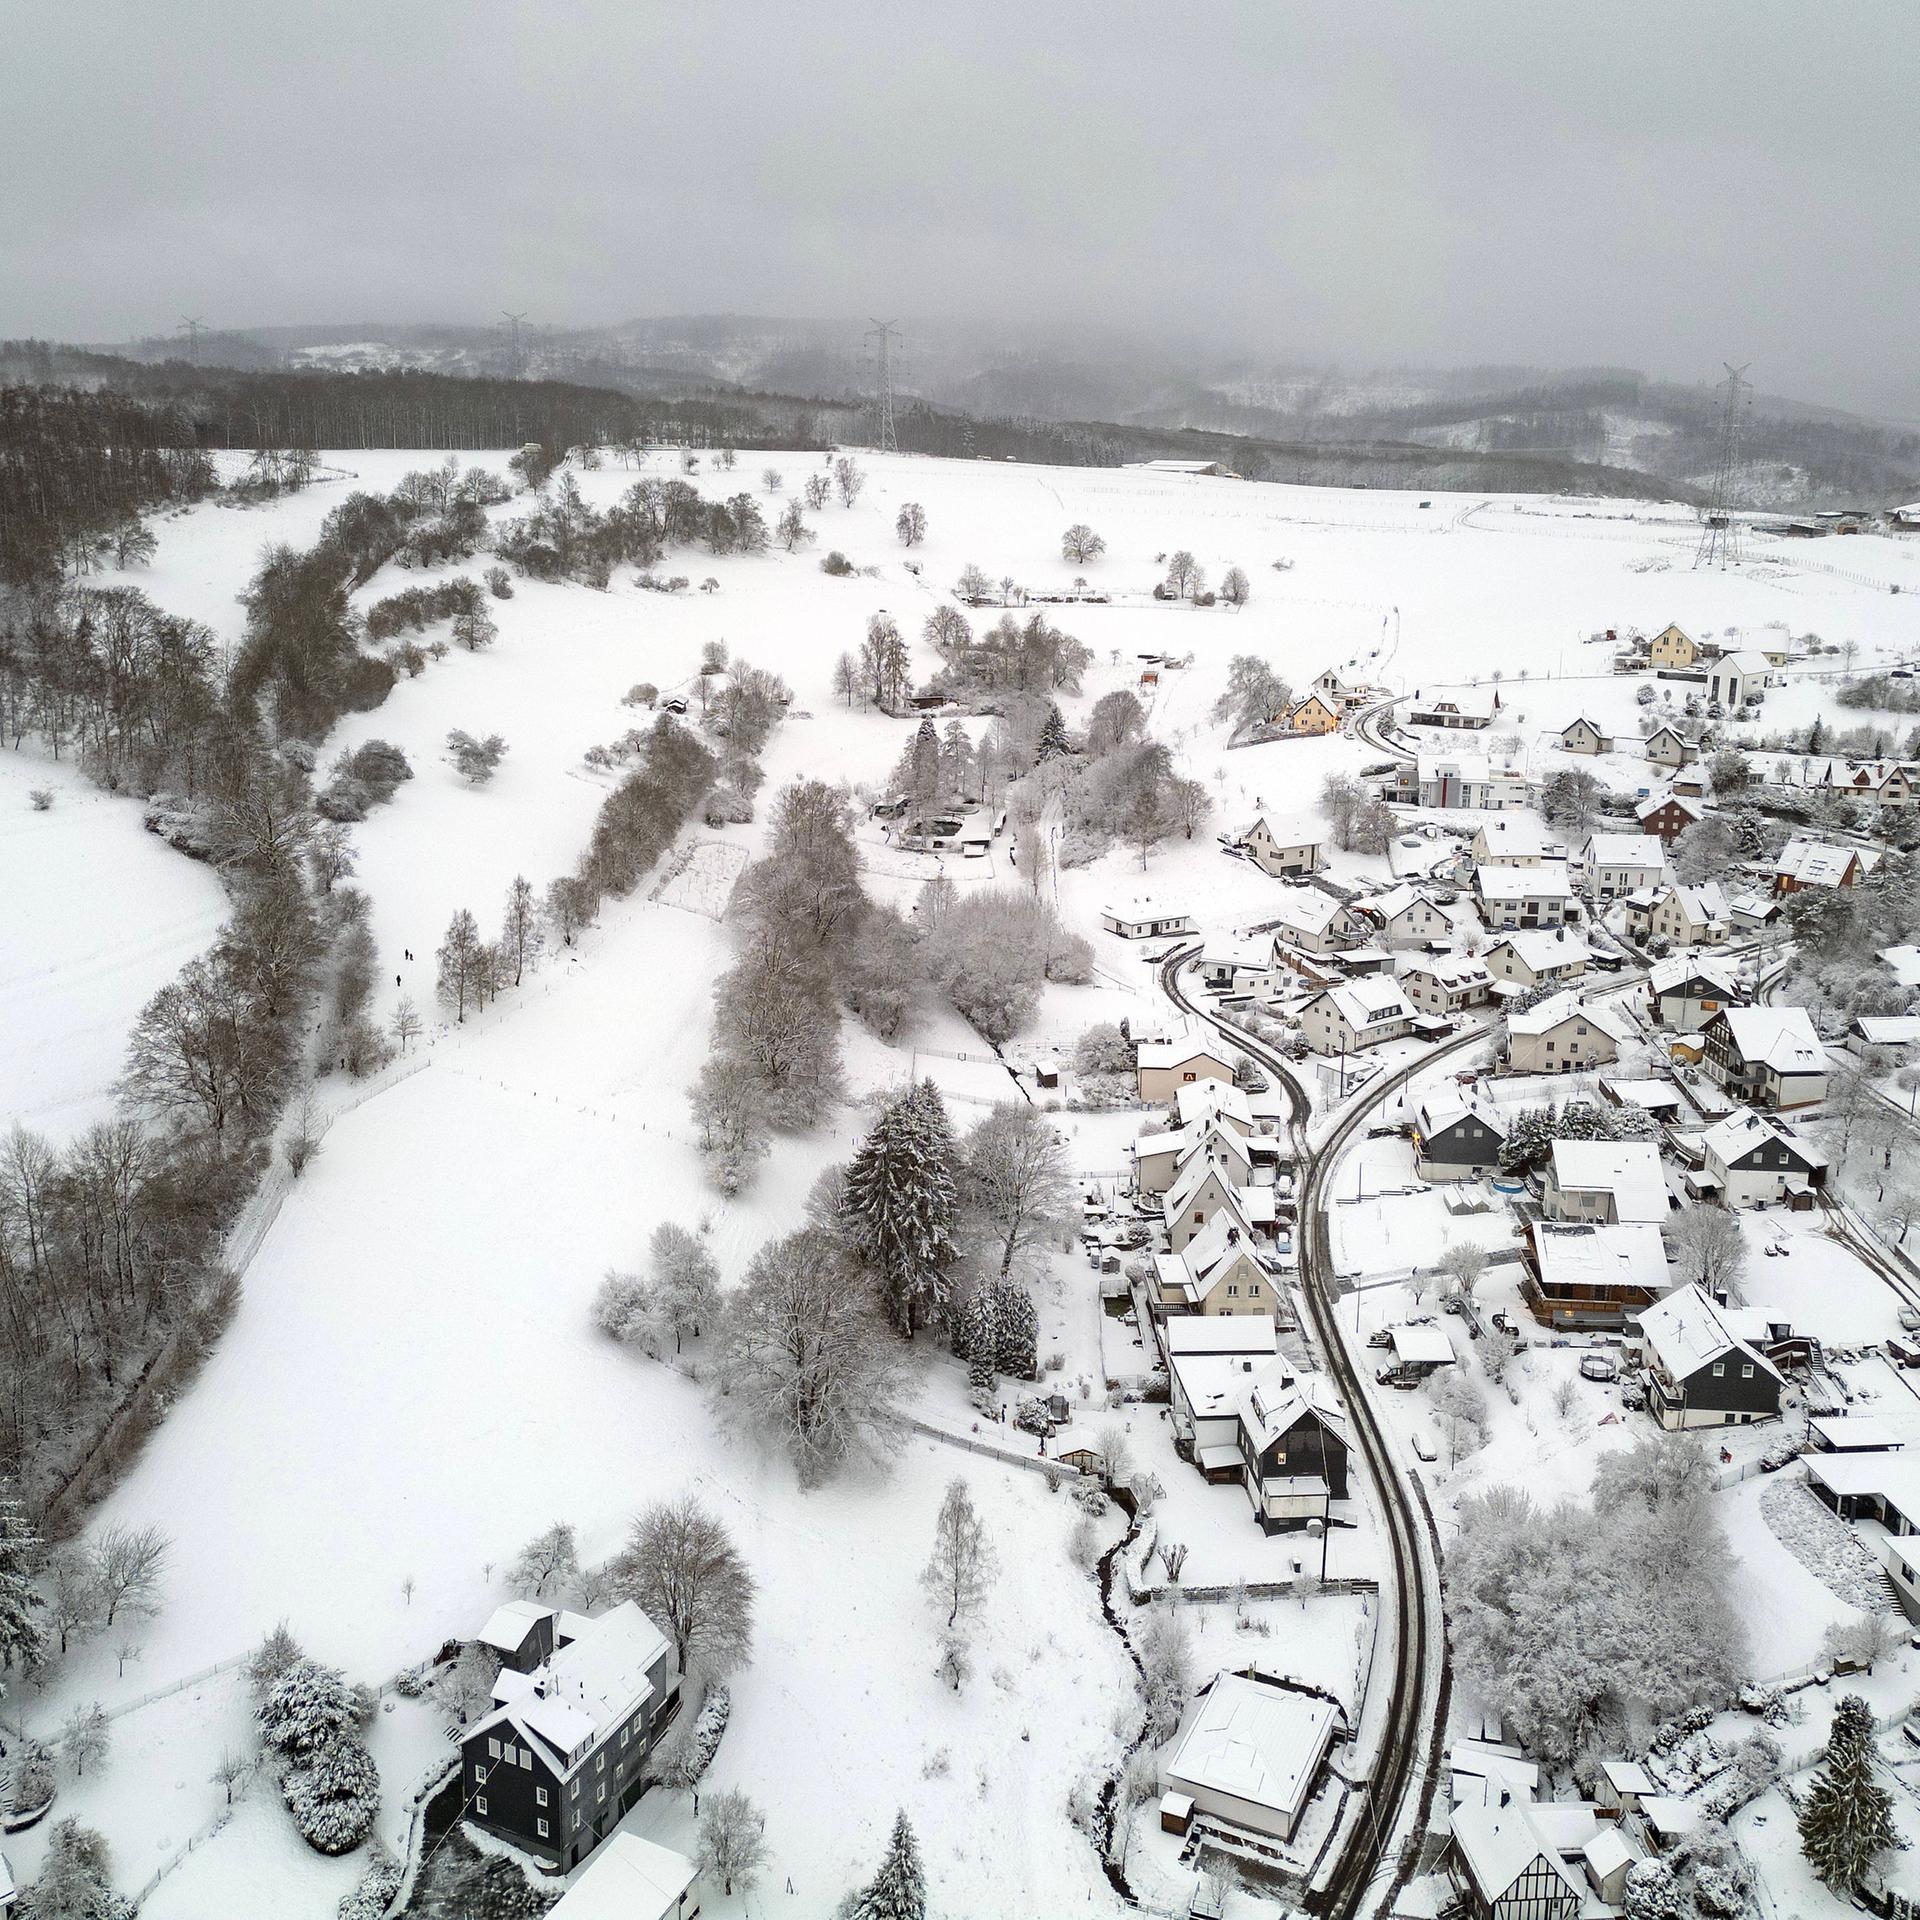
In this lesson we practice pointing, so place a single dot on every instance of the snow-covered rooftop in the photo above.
(1255, 1740)
(1445, 1106)
(628, 1878)
(586, 1687)
(1558, 1008)
(1588, 1257)
(1627, 1169)
(1779, 1037)
(1369, 1002)
(1687, 1330)
(1626, 850)
(1499, 1843)
(1515, 836)
(1817, 863)
(1539, 948)
(1181, 1047)
(1202, 1100)
(1234, 1333)
(1498, 880)
(1677, 969)
(1277, 1395)
(1423, 1344)
(1742, 1130)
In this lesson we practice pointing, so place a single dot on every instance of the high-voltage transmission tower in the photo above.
(193, 330)
(885, 334)
(513, 354)
(1720, 526)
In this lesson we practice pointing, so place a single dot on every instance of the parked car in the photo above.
(1599, 1366)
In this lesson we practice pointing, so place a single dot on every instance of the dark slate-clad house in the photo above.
(1293, 1447)
(1707, 1364)
(581, 1702)
(1454, 1138)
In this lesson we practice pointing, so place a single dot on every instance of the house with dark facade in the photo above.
(1293, 1446)
(1455, 1138)
(1578, 1276)
(1706, 1363)
(1668, 815)
(579, 1705)
(1685, 990)
(1504, 1866)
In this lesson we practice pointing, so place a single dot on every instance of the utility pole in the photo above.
(1720, 530)
(193, 330)
(513, 353)
(884, 334)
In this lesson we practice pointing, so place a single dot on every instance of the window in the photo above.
(540, 1827)
(1746, 1370)
(493, 1749)
(526, 1758)
(600, 1764)
(1719, 1368)
(1233, 1290)
(623, 1737)
(540, 1800)
(480, 1803)
(603, 1790)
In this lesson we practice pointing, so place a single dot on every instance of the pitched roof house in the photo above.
(1705, 1364)
(1143, 916)
(1460, 711)
(1691, 916)
(1163, 1067)
(1610, 1182)
(1672, 648)
(1583, 736)
(1534, 956)
(1406, 918)
(632, 1879)
(1293, 1446)
(1315, 922)
(1518, 839)
(1455, 1137)
(1617, 863)
(1562, 1034)
(1203, 1190)
(558, 1760)
(1358, 1014)
(1505, 1867)
(1667, 746)
(1581, 1275)
(1752, 1158)
(1446, 983)
(1216, 1272)
(1518, 896)
(1315, 714)
(1277, 854)
(1250, 1751)
(1816, 863)
(1669, 815)
(1686, 989)
(1767, 1056)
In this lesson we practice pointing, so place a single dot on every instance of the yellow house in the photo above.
(1672, 648)
(1313, 715)
(1217, 1272)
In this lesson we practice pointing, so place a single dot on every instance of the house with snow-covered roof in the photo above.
(1578, 1274)
(1444, 984)
(1162, 1153)
(1293, 1446)
(1406, 917)
(1146, 916)
(1250, 1752)
(1538, 956)
(1767, 1056)
(1521, 896)
(1686, 989)
(1669, 815)
(1237, 963)
(1563, 1034)
(1456, 1137)
(1516, 839)
(1217, 1272)
(1315, 922)
(1462, 711)
(1817, 863)
(632, 1878)
(557, 1762)
(1163, 1067)
(1215, 1100)
(1705, 1363)
(1468, 780)
(1608, 1182)
(1356, 1015)
(1203, 1190)
(1584, 736)
(1667, 746)
(1750, 1159)
(1277, 853)
(1735, 677)
(1505, 1868)
(1617, 863)
(1672, 648)
(1210, 1361)
(1690, 916)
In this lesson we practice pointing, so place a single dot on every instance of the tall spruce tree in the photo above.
(1016, 1330)
(21, 1634)
(1847, 1816)
(1053, 735)
(979, 1339)
(926, 765)
(901, 1200)
(899, 1890)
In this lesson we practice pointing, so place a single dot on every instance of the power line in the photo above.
(883, 333)
(1720, 527)
(193, 328)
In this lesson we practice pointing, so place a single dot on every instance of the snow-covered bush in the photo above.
(373, 1893)
(622, 1306)
(41, 799)
(727, 806)
(334, 1797)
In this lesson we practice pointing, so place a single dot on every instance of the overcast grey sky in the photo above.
(1452, 182)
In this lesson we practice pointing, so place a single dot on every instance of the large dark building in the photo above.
(578, 1706)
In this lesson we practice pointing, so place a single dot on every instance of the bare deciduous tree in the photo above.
(1017, 1177)
(733, 1843)
(681, 1565)
(549, 1559)
(962, 1564)
(127, 1565)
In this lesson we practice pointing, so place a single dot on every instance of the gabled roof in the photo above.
(1678, 970)
(1816, 863)
(1627, 1169)
(585, 1690)
(1446, 1107)
(1255, 1740)
(1498, 1844)
(1205, 1260)
(1649, 807)
(1781, 1038)
(1517, 836)
(1182, 1046)
(628, 1878)
(1228, 1333)
(1308, 910)
(1742, 1130)
(1201, 1100)
(1366, 1003)
(1626, 850)
(1700, 906)
(1688, 1331)
(509, 1624)
(1747, 662)
(1276, 1397)
(1581, 720)
(1395, 901)
(1495, 880)
(1903, 963)
(1588, 1257)
(1450, 969)
(1544, 1016)
(1541, 947)
(1194, 1174)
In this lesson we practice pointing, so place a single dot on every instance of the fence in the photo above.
(1031, 1462)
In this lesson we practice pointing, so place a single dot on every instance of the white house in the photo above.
(1583, 736)
(1511, 896)
(1205, 1189)
(1753, 1158)
(1612, 1182)
(1562, 1034)
(1356, 1014)
(1274, 853)
(1216, 1272)
(1767, 1056)
(1210, 1359)
(1691, 916)
(1142, 917)
(1463, 711)
(1470, 781)
(1446, 983)
(1250, 1751)
(1617, 863)
(1667, 746)
(1316, 922)
(1406, 918)
(1237, 963)
(1734, 676)
(1537, 956)
(632, 1879)
(1515, 839)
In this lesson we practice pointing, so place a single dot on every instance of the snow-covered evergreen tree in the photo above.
(1847, 1816)
(901, 1200)
(926, 765)
(1016, 1331)
(1053, 740)
(899, 1890)
(309, 1708)
(22, 1636)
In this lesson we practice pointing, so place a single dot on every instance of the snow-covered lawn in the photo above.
(100, 914)
(412, 1387)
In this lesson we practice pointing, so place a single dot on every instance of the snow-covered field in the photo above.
(412, 1387)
